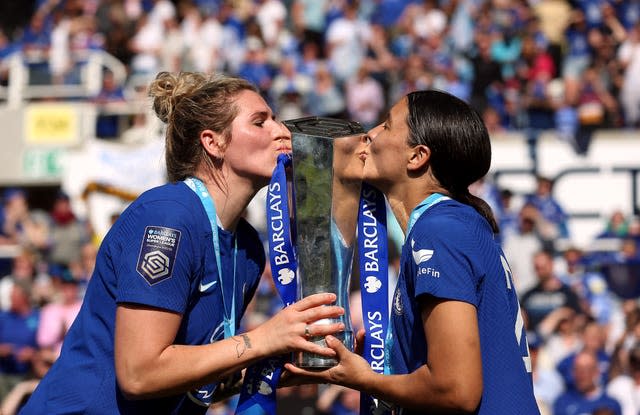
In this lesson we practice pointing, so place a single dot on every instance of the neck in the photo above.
(403, 201)
(230, 196)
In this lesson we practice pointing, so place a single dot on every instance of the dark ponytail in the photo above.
(479, 205)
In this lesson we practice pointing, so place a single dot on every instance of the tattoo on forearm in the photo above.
(243, 345)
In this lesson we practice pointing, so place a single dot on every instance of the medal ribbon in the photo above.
(258, 394)
(374, 280)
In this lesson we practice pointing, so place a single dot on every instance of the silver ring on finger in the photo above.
(307, 333)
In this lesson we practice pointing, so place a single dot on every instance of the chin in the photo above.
(370, 177)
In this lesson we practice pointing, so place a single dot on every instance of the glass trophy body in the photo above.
(327, 178)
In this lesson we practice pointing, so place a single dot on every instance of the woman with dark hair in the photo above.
(457, 338)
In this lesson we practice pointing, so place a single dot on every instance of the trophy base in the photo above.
(312, 361)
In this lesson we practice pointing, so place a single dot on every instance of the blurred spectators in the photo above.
(256, 67)
(591, 286)
(549, 207)
(18, 346)
(347, 37)
(549, 294)
(22, 225)
(289, 86)
(365, 99)
(624, 386)
(508, 219)
(271, 16)
(521, 242)
(67, 234)
(560, 333)
(23, 270)
(57, 316)
(326, 99)
(616, 226)
(309, 21)
(588, 395)
(496, 55)
(487, 74)
(547, 383)
(596, 107)
(593, 338)
(629, 56)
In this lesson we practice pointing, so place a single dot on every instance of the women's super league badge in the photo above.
(158, 253)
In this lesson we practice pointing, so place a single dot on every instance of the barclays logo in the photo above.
(285, 276)
(372, 284)
(264, 388)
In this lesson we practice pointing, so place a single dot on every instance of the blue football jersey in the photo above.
(451, 253)
(158, 254)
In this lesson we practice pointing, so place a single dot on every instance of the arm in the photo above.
(452, 377)
(148, 364)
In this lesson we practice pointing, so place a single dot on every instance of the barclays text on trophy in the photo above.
(327, 180)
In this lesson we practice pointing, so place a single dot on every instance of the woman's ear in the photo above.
(419, 157)
(213, 143)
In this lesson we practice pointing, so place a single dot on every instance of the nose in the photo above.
(368, 137)
(281, 131)
(373, 133)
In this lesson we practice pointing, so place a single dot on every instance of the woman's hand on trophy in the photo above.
(304, 377)
(291, 328)
(351, 371)
(359, 345)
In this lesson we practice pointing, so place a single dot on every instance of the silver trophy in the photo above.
(327, 178)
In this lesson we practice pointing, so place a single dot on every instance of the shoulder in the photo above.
(449, 219)
(441, 214)
(177, 192)
(171, 209)
(171, 201)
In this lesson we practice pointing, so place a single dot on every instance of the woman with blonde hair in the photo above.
(157, 329)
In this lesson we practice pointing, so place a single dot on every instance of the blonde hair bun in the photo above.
(167, 89)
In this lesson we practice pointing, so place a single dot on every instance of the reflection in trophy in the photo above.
(327, 174)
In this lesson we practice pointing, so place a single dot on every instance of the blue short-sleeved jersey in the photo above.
(451, 253)
(159, 254)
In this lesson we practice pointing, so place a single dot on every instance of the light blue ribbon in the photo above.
(204, 394)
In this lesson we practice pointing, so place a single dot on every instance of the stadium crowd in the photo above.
(525, 65)
(572, 66)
